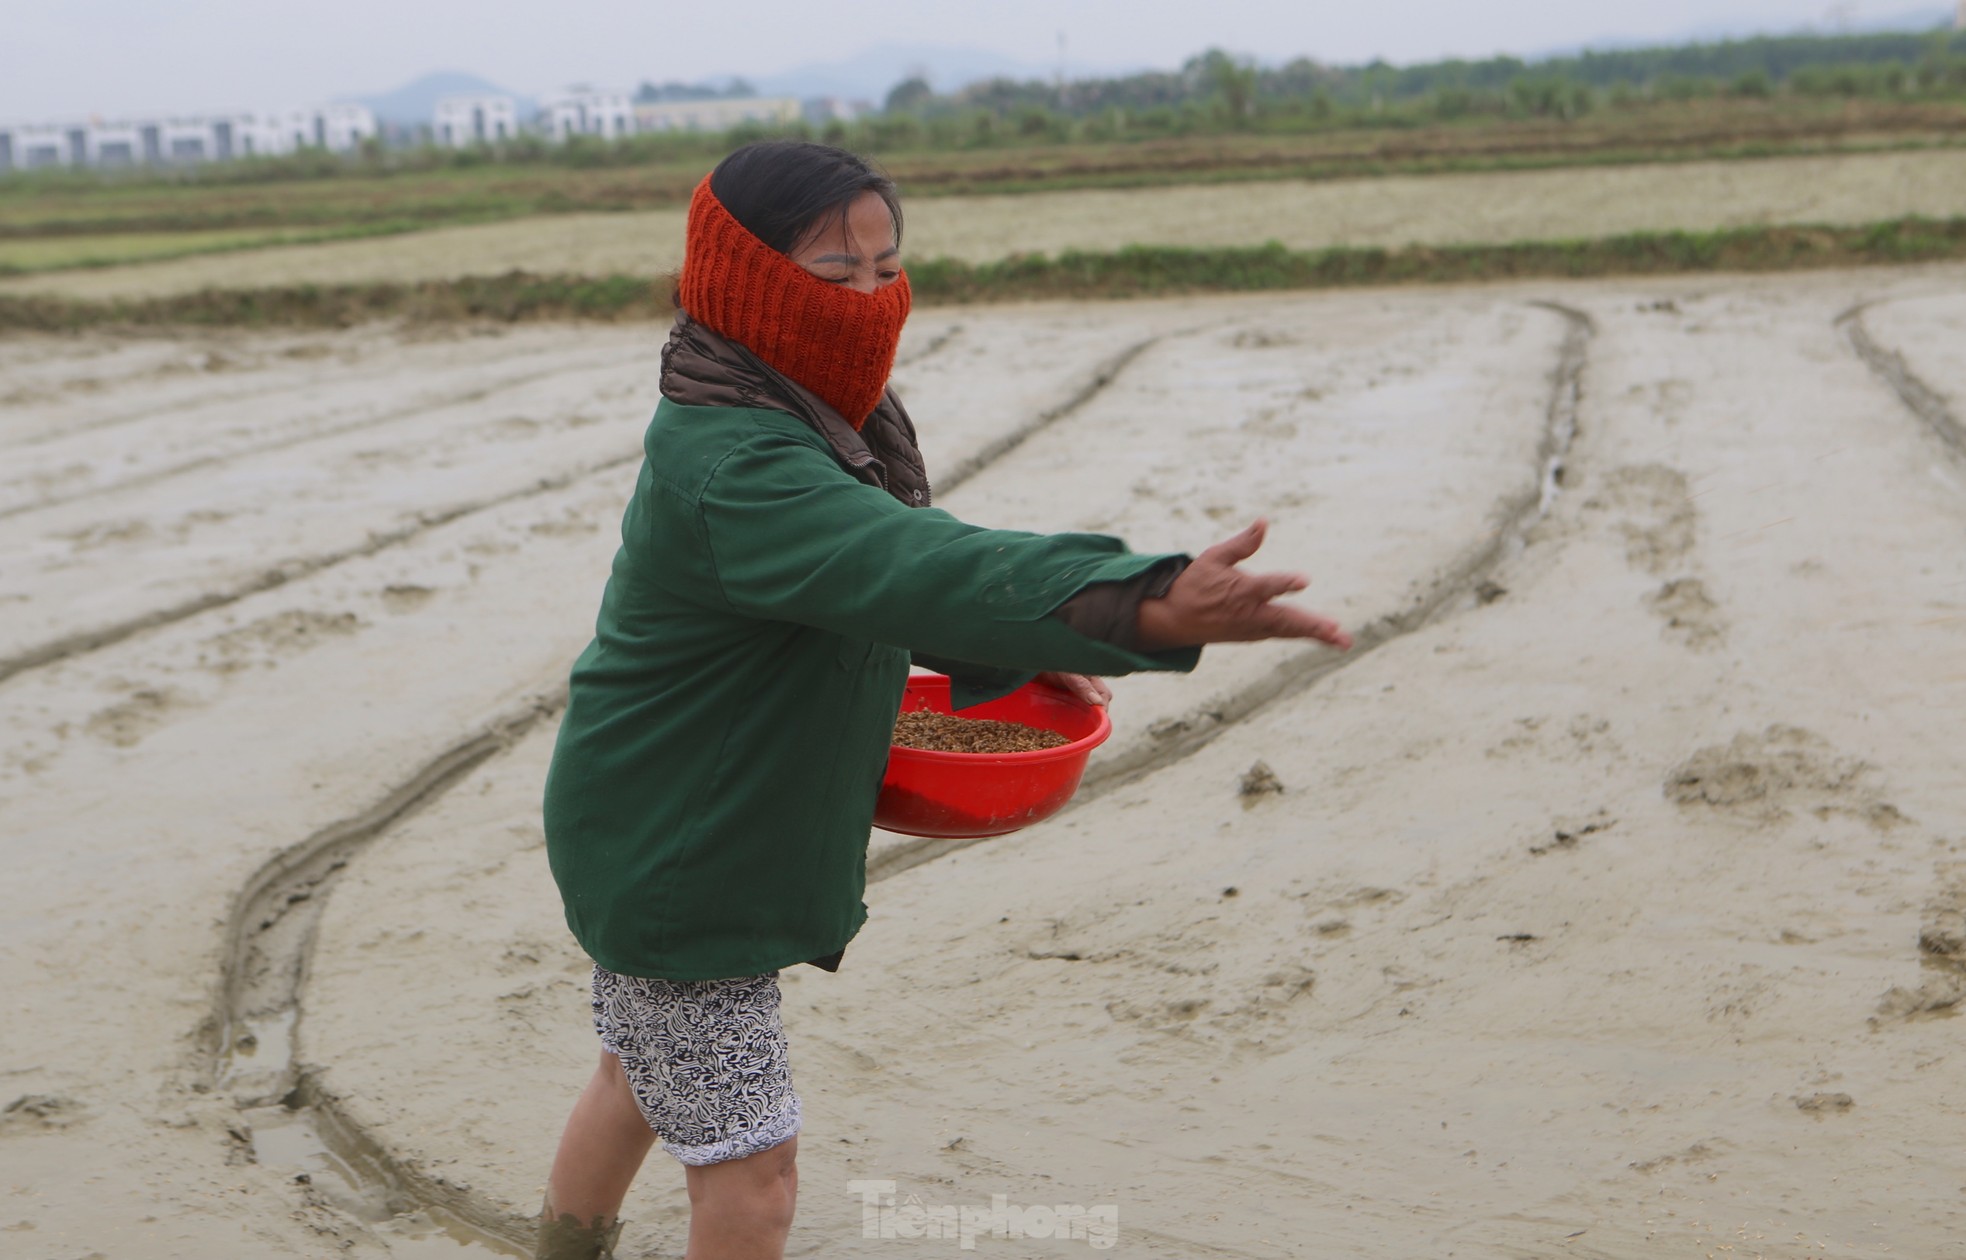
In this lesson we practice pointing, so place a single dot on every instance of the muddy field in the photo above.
(1606, 901)
(1390, 211)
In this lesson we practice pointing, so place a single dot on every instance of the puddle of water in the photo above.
(417, 1237)
(258, 1048)
(1552, 485)
(287, 1141)
(256, 1056)
(257, 1069)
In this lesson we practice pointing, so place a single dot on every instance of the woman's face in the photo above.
(857, 250)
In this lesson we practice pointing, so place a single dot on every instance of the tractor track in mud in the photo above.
(286, 897)
(269, 938)
(1103, 375)
(366, 373)
(271, 931)
(476, 394)
(1890, 367)
(935, 346)
(85, 641)
(1451, 588)
(276, 915)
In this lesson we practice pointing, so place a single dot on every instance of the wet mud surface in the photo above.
(1616, 868)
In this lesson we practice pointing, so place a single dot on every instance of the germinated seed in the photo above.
(945, 732)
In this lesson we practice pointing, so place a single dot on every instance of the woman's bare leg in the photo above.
(601, 1150)
(741, 1209)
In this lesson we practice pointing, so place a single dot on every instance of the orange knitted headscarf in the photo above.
(836, 341)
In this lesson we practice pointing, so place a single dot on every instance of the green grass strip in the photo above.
(1152, 271)
(515, 297)
(164, 249)
(1135, 271)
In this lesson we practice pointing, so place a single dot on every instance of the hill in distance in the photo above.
(869, 74)
(416, 101)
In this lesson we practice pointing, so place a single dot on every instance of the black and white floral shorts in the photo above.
(705, 1058)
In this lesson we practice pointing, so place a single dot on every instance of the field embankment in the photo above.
(1134, 271)
(1692, 216)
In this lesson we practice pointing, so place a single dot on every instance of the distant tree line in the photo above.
(1215, 92)
(1215, 89)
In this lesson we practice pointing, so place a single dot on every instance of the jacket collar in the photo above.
(701, 368)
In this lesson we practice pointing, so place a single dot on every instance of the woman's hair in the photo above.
(784, 190)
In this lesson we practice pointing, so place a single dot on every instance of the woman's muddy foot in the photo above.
(566, 1238)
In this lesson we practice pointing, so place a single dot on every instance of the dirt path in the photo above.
(1389, 211)
(1588, 920)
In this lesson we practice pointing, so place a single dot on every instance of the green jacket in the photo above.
(711, 793)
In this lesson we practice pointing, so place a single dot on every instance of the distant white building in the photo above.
(183, 140)
(121, 144)
(272, 135)
(462, 121)
(33, 146)
(583, 112)
(717, 115)
(335, 128)
(357, 124)
(188, 140)
(343, 128)
(820, 110)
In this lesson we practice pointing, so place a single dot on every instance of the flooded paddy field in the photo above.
(1605, 901)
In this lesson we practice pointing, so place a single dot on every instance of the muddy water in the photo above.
(289, 1142)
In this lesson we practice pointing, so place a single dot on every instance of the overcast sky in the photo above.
(77, 57)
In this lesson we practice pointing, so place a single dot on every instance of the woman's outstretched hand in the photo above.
(1213, 601)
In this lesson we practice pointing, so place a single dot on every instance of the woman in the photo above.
(708, 806)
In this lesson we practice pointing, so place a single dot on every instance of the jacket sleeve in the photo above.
(972, 684)
(793, 537)
(1106, 611)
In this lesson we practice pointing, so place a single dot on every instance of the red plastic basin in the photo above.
(969, 795)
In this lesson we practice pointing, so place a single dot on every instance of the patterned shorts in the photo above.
(705, 1058)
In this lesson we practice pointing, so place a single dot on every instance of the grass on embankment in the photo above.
(34, 255)
(1136, 271)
